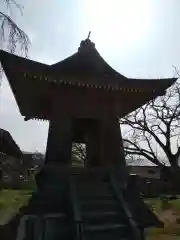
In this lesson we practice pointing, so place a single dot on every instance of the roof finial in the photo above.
(86, 45)
(89, 34)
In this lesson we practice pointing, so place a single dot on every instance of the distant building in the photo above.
(152, 172)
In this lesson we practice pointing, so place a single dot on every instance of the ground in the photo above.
(11, 200)
(169, 213)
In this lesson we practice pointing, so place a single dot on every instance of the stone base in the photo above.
(51, 203)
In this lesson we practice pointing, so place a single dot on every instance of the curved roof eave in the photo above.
(77, 64)
(163, 83)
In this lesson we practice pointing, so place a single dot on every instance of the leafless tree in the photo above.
(11, 36)
(154, 129)
(78, 153)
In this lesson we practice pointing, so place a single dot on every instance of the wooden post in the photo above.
(59, 143)
(93, 144)
(112, 150)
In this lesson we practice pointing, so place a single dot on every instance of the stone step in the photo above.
(105, 237)
(87, 171)
(55, 216)
(88, 178)
(103, 227)
(93, 191)
(98, 201)
(98, 206)
(92, 185)
(106, 232)
(103, 217)
(85, 197)
(95, 194)
(102, 214)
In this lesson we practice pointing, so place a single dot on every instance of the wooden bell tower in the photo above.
(83, 98)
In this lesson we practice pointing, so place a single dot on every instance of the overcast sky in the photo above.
(139, 38)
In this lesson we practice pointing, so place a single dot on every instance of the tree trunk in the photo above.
(170, 176)
(175, 180)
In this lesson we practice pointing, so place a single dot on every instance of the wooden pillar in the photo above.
(93, 150)
(112, 151)
(59, 144)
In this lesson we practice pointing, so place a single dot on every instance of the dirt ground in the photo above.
(171, 230)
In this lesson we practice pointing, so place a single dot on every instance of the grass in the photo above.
(12, 200)
(10, 203)
(168, 213)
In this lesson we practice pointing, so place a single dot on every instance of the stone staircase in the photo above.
(83, 207)
(100, 213)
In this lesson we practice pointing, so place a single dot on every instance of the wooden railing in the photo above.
(77, 215)
(136, 234)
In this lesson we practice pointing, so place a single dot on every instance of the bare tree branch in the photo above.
(79, 151)
(155, 124)
(12, 37)
(136, 150)
(11, 3)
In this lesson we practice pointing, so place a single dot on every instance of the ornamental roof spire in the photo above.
(86, 45)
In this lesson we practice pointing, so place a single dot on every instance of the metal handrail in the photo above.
(76, 210)
(135, 230)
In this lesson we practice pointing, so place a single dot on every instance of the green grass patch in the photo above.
(12, 200)
(156, 204)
